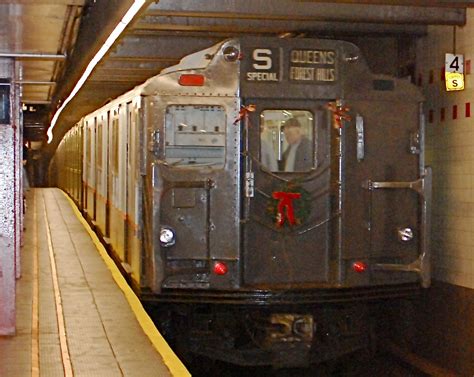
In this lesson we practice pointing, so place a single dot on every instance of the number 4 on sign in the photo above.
(454, 72)
(454, 63)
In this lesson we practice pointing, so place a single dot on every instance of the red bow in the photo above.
(286, 202)
(244, 111)
(339, 113)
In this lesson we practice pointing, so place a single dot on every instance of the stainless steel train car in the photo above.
(260, 195)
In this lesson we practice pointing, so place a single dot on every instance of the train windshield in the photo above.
(195, 136)
(287, 140)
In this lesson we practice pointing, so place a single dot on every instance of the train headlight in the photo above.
(231, 54)
(405, 234)
(167, 237)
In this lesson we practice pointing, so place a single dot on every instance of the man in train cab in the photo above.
(298, 154)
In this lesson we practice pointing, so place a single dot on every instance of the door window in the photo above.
(287, 140)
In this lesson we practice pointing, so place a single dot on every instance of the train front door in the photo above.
(386, 191)
(286, 193)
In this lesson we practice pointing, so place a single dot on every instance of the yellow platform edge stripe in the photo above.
(172, 362)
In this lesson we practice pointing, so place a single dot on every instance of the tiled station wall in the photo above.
(444, 314)
(450, 151)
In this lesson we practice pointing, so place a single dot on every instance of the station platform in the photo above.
(76, 316)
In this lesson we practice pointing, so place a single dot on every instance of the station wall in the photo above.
(450, 151)
(445, 316)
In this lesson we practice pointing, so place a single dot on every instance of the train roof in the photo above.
(351, 77)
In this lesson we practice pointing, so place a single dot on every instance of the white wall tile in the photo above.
(451, 154)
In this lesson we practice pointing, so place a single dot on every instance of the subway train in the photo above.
(260, 196)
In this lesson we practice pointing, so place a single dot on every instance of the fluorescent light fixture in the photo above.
(131, 13)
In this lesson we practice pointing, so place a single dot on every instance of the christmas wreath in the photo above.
(290, 205)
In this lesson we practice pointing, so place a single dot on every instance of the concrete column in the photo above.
(10, 196)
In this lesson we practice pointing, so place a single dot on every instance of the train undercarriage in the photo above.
(266, 329)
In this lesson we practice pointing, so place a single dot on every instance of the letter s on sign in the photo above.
(262, 56)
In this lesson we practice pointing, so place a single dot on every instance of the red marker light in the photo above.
(359, 267)
(191, 80)
(220, 268)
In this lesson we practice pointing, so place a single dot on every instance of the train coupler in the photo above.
(289, 338)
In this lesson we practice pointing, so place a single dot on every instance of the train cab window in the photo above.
(195, 136)
(287, 140)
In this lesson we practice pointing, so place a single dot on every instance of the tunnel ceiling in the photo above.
(54, 40)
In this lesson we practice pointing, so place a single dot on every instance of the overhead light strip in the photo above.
(131, 13)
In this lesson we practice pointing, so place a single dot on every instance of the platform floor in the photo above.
(73, 318)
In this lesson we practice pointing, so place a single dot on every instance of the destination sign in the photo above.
(313, 66)
(264, 65)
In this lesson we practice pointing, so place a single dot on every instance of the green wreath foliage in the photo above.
(301, 206)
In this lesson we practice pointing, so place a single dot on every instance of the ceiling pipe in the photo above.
(33, 56)
(404, 12)
(35, 102)
(29, 82)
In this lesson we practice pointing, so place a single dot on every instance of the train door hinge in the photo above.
(154, 145)
(415, 143)
(360, 137)
(249, 184)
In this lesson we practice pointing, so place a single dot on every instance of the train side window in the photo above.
(88, 144)
(287, 140)
(115, 143)
(88, 153)
(100, 130)
(195, 136)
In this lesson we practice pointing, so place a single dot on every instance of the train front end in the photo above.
(285, 190)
